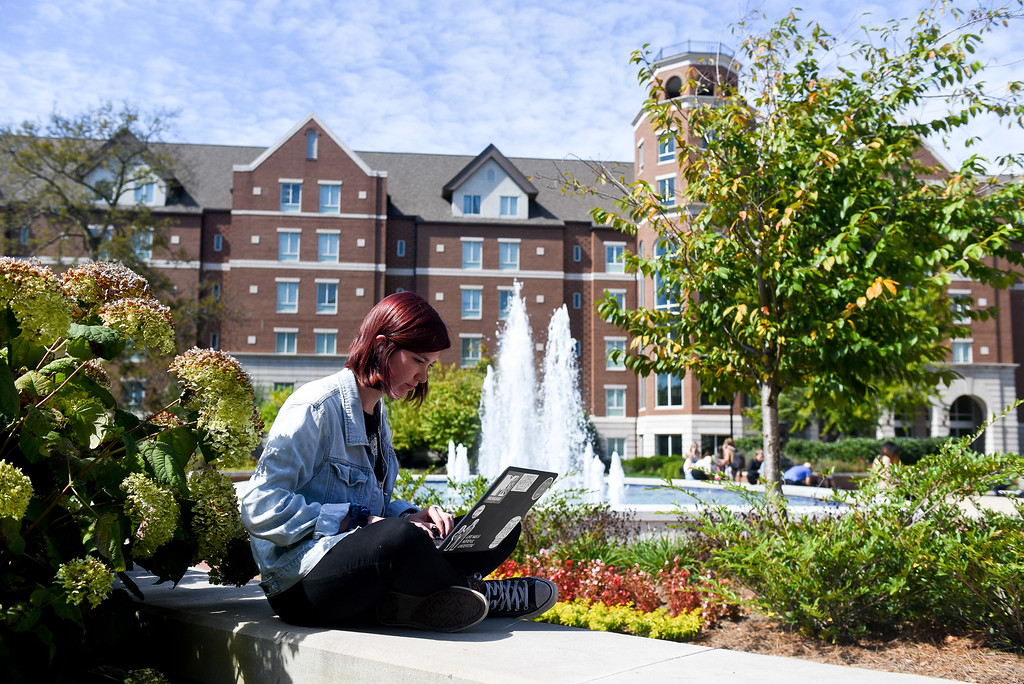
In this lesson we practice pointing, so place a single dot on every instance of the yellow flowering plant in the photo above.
(88, 489)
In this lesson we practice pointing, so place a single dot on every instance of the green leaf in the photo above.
(10, 404)
(166, 465)
(107, 535)
(87, 341)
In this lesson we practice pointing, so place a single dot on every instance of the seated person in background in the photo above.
(704, 468)
(754, 469)
(799, 475)
(884, 462)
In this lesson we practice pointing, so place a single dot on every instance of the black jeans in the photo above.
(389, 555)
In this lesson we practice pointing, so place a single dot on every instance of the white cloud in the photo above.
(534, 77)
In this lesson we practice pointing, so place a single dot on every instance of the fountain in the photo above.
(518, 426)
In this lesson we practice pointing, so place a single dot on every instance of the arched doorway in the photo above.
(966, 415)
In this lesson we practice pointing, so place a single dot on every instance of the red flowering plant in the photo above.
(595, 582)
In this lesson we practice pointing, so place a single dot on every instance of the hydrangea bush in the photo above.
(89, 490)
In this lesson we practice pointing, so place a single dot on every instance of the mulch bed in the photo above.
(931, 655)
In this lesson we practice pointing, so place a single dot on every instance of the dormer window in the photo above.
(509, 206)
(144, 193)
(471, 204)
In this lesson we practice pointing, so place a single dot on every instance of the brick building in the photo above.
(300, 239)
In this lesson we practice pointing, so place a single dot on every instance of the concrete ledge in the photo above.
(216, 634)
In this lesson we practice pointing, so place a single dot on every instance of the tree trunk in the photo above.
(772, 445)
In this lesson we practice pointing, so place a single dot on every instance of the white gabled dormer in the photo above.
(490, 187)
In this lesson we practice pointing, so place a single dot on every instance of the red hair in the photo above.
(407, 321)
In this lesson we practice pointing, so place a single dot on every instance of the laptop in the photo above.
(498, 511)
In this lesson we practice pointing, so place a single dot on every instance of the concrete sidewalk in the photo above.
(216, 634)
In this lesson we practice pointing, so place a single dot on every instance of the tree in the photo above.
(820, 244)
(89, 186)
(450, 412)
(79, 186)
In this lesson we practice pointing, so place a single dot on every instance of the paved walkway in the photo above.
(216, 634)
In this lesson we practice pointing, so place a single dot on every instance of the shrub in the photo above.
(904, 553)
(88, 489)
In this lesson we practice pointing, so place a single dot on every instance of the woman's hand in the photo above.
(434, 521)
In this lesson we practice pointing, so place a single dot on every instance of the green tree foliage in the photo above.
(450, 412)
(822, 246)
(71, 183)
(88, 489)
(68, 191)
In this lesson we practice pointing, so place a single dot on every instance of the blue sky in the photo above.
(536, 78)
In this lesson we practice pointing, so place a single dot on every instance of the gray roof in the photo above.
(415, 181)
(416, 185)
(206, 171)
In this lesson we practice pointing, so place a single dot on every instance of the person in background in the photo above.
(754, 469)
(690, 460)
(332, 545)
(799, 475)
(886, 461)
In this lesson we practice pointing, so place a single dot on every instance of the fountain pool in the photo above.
(650, 495)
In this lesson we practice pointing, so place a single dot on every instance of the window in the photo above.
(664, 296)
(960, 304)
(668, 445)
(284, 387)
(291, 196)
(666, 148)
(285, 342)
(218, 242)
(288, 297)
(400, 248)
(614, 401)
(327, 298)
(471, 352)
(613, 253)
(577, 300)
(326, 343)
(144, 193)
(619, 296)
(667, 191)
(577, 253)
(471, 308)
(504, 303)
(471, 204)
(311, 144)
(613, 345)
(708, 400)
(616, 445)
(330, 198)
(669, 390)
(640, 157)
(142, 243)
(327, 247)
(288, 246)
(509, 206)
(962, 351)
(472, 254)
(26, 234)
(214, 340)
(215, 291)
(508, 256)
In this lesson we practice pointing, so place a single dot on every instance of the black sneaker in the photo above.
(519, 597)
(449, 610)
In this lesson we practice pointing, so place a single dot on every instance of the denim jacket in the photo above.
(316, 464)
